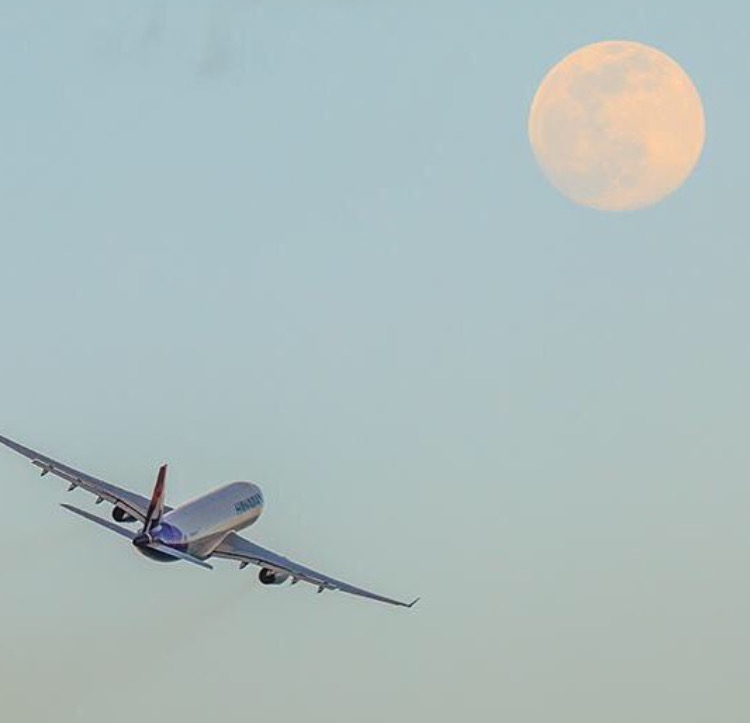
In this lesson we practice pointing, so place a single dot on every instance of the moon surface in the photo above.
(617, 125)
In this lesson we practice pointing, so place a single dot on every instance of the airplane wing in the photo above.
(238, 548)
(134, 504)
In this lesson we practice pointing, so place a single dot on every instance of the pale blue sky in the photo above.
(306, 244)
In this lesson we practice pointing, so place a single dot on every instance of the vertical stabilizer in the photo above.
(156, 508)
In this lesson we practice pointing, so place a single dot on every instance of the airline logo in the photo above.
(248, 504)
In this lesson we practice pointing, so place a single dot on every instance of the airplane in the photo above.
(196, 531)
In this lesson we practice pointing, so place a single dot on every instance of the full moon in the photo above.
(617, 125)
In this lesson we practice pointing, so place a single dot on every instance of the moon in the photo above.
(617, 125)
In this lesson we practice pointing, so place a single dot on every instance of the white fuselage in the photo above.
(200, 525)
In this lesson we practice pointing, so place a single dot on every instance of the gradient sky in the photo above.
(307, 244)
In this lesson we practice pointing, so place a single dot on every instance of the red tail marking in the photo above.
(156, 507)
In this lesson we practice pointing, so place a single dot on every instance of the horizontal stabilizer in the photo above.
(164, 549)
(179, 555)
(99, 521)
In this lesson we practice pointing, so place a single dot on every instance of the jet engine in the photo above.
(121, 516)
(272, 577)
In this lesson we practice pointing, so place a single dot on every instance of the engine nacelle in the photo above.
(272, 577)
(121, 516)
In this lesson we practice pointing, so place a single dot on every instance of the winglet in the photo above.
(413, 602)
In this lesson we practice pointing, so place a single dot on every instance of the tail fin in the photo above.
(156, 508)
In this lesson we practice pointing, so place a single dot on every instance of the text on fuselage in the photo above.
(248, 504)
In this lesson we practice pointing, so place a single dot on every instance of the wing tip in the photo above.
(413, 602)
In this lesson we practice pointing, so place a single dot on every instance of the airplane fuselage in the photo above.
(199, 526)
(205, 527)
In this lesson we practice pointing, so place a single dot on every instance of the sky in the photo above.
(307, 244)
